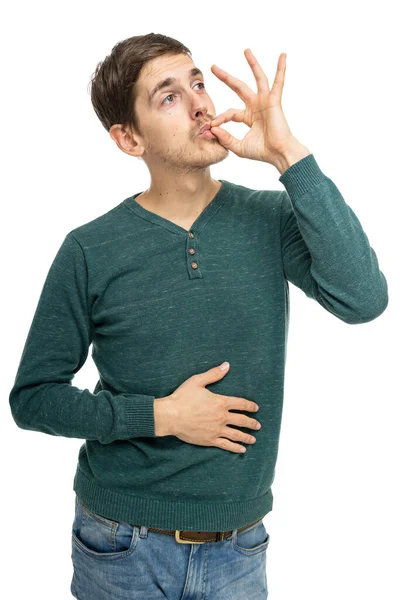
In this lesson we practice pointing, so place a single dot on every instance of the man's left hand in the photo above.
(269, 137)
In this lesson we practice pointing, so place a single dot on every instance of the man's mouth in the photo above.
(204, 127)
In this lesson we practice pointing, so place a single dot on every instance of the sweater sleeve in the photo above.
(325, 251)
(43, 398)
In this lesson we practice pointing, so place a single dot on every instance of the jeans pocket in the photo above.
(252, 540)
(100, 537)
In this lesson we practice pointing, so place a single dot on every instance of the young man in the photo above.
(171, 489)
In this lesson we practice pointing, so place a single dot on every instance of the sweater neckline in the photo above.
(207, 213)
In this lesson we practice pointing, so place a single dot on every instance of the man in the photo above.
(169, 285)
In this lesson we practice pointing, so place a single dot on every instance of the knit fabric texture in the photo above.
(157, 304)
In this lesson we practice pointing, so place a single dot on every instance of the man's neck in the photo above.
(184, 211)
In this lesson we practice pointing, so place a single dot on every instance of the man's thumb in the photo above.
(226, 139)
(224, 367)
(217, 372)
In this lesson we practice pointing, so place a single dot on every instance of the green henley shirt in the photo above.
(158, 304)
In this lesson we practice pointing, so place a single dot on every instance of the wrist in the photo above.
(290, 155)
(164, 416)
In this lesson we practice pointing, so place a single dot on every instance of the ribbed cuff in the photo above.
(139, 415)
(300, 177)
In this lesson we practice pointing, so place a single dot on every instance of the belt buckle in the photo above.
(178, 538)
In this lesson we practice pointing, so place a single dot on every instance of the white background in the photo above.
(335, 523)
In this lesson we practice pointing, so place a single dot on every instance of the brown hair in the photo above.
(114, 82)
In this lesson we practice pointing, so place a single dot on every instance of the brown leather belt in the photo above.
(199, 537)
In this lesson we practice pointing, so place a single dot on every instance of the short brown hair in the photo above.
(114, 82)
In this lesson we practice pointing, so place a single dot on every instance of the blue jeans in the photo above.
(118, 561)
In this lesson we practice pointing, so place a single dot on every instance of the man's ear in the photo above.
(126, 140)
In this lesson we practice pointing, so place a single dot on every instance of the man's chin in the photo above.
(219, 156)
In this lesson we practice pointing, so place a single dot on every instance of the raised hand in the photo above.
(269, 135)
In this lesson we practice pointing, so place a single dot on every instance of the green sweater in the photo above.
(155, 313)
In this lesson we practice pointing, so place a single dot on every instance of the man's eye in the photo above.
(169, 95)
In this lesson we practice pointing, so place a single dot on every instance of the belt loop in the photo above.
(142, 531)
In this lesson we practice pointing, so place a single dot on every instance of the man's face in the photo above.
(171, 119)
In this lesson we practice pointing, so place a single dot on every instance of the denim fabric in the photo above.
(118, 561)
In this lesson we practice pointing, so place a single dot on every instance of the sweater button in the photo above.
(194, 265)
(192, 251)
(191, 234)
